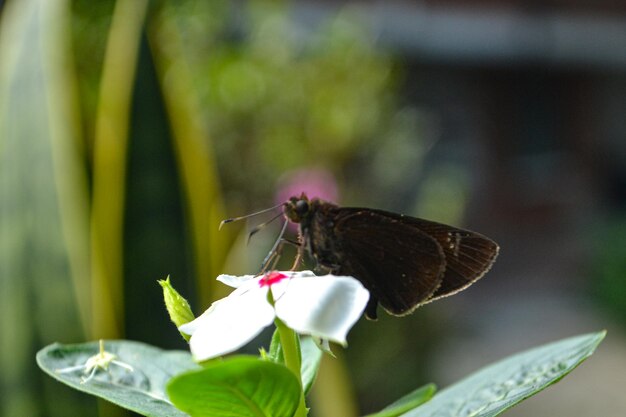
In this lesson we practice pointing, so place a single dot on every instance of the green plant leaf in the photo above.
(311, 356)
(311, 359)
(408, 402)
(500, 386)
(141, 390)
(276, 353)
(240, 386)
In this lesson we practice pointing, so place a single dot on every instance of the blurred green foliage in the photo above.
(44, 294)
(609, 267)
(276, 96)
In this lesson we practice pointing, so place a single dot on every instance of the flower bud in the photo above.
(177, 307)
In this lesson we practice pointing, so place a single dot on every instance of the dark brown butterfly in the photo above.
(403, 261)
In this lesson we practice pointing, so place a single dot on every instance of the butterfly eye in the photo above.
(302, 207)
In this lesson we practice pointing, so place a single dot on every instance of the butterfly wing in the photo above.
(469, 255)
(401, 266)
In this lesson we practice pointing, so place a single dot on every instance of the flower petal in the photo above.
(325, 306)
(234, 280)
(279, 288)
(229, 324)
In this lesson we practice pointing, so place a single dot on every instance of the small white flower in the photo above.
(101, 361)
(325, 307)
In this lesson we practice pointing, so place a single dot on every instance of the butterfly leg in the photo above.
(272, 258)
(299, 256)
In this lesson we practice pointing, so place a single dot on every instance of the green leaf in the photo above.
(500, 386)
(142, 390)
(408, 402)
(311, 358)
(240, 386)
(276, 353)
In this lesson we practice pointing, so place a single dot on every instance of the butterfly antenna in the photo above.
(234, 219)
(261, 226)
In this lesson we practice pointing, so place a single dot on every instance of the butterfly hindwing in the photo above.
(469, 255)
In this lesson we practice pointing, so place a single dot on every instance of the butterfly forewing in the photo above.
(401, 266)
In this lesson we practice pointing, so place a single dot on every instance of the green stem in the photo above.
(291, 353)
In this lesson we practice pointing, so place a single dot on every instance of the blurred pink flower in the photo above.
(314, 182)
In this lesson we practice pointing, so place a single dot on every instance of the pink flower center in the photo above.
(271, 278)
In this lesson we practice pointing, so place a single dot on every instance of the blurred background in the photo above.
(130, 128)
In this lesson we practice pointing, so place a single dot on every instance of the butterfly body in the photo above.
(403, 261)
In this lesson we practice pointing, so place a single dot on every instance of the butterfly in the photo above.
(404, 262)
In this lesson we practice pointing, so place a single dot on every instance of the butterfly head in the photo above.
(297, 208)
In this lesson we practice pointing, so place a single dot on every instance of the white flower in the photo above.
(325, 307)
